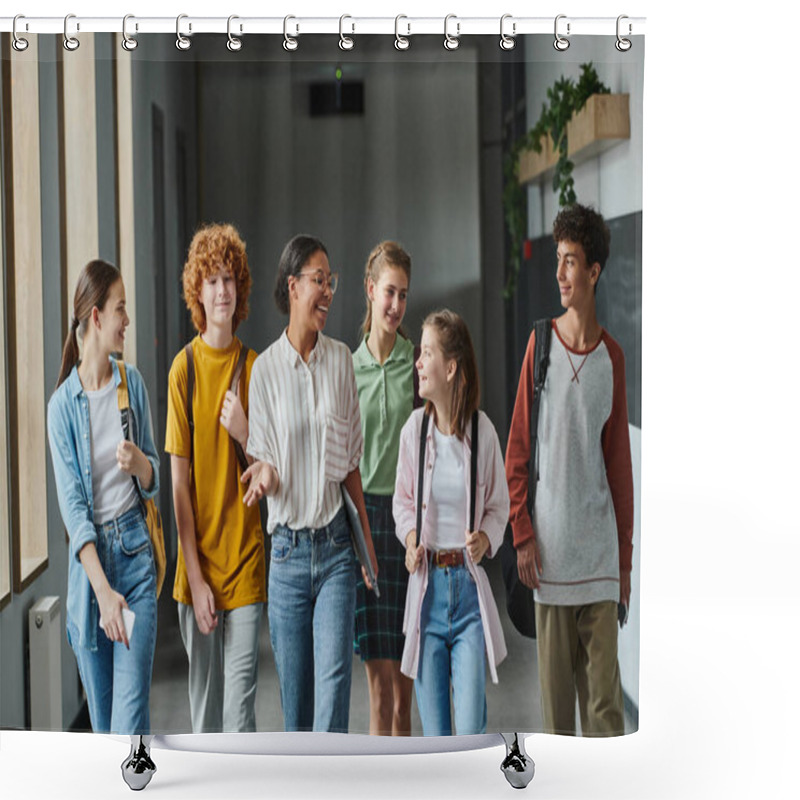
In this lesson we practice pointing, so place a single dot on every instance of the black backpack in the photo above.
(519, 598)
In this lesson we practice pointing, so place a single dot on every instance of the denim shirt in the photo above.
(69, 434)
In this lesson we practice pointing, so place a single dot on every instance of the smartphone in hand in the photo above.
(128, 618)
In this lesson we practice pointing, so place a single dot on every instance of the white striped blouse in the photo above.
(305, 421)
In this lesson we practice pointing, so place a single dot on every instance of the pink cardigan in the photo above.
(491, 514)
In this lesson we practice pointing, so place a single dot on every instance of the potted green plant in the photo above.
(564, 99)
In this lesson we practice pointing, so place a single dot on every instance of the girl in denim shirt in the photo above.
(102, 479)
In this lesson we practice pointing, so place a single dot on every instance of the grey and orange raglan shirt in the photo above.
(583, 518)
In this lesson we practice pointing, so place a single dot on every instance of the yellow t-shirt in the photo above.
(230, 542)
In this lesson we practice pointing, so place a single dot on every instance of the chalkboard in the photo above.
(619, 303)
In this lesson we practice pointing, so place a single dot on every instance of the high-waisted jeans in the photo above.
(117, 679)
(452, 652)
(311, 609)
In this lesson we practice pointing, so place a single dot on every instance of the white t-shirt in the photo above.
(447, 506)
(114, 490)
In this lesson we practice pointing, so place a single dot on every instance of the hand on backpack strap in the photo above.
(233, 418)
(132, 461)
(414, 554)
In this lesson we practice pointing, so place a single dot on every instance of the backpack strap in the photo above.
(234, 387)
(423, 436)
(541, 359)
(190, 397)
(123, 400)
(124, 405)
(473, 470)
(237, 374)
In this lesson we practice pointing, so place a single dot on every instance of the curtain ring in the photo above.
(182, 42)
(401, 42)
(18, 43)
(346, 42)
(451, 42)
(71, 43)
(234, 43)
(623, 45)
(289, 42)
(128, 42)
(560, 43)
(507, 42)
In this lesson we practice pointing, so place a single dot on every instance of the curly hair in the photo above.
(456, 344)
(385, 254)
(581, 224)
(213, 248)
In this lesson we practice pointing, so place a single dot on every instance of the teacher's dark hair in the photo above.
(294, 257)
(94, 284)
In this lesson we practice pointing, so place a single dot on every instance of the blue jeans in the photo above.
(452, 650)
(117, 679)
(311, 609)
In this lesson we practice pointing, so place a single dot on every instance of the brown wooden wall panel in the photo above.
(123, 102)
(24, 328)
(5, 541)
(79, 153)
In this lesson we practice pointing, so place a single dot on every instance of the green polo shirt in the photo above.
(386, 398)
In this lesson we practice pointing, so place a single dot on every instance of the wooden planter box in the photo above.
(600, 124)
(534, 165)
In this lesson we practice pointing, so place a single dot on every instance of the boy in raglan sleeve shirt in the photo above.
(576, 552)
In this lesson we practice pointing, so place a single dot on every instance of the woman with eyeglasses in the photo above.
(305, 437)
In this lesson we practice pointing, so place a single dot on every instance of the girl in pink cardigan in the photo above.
(451, 619)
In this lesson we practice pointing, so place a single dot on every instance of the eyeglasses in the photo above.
(332, 283)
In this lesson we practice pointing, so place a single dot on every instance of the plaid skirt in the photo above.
(379, 622)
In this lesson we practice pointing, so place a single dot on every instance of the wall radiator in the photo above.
(44, 630)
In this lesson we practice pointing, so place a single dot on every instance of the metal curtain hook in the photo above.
(70, 42)
(451, 42)
(623, 45)
(507, 42)
(346, 42)
(401, 42)
(182, 42)
(560, 43)
(234, 44)
(18, 43)
(128, 42)
(289, 42)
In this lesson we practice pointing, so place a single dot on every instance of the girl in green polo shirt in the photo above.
(385, 376)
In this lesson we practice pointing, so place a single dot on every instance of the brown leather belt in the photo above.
(447, 558)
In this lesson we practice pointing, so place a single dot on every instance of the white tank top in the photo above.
(447, 507)
(113, 490)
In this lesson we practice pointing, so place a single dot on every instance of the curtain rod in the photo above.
(403, 25)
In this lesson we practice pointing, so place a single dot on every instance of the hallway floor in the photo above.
(512, 704)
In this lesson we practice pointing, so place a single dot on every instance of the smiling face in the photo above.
(310, 302)
(112, 319)
(218, 298)
(436, 373)
(388, 297)
(576, 278)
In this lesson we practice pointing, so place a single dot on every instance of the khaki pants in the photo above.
(577, 651)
